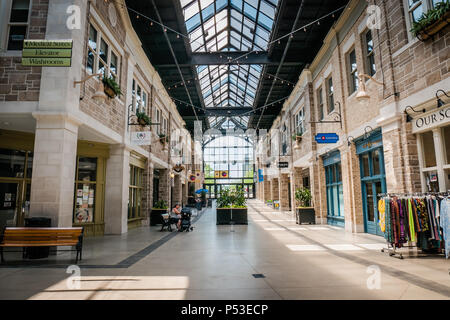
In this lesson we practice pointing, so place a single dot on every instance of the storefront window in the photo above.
(335, 201)
(365, 165)
(446, 133)
(429, 153)
(85, 185)
(12, 163)
(135, 192)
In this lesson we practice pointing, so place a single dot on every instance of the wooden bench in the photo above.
(42, 237)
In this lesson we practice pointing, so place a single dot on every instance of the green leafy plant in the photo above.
(160, 204)
(303, 197)
(238, 198)
(163, 138)
(111, 84)
(224, 200)
(143, 118)
(298, 134)
(430, 17)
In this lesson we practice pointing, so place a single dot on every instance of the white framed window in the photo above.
(17, 23)
(352, 72)
(164, 128)
(369, 53)
(414, 9)
(139, 97)
(330, 95)
(320, 103)
(101, 58)
(158, 120)
(299, 122)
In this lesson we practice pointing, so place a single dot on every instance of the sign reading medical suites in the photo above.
(327, 138)
(437, 118)
(47, 53)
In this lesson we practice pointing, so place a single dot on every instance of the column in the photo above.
(164, 185)
(117, 190)
(148, 191)
(54, 163)
(440, 160)
(284, 192)
(275, 194)
(267, 189)
(177, 191)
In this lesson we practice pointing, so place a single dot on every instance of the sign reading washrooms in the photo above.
(47, 53)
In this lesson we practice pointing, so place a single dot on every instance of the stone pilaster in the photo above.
(275, 194)
(117, 190)
(54, 163)
(284, 192)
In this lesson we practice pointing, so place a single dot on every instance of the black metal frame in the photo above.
(337, 119)
(131, 115)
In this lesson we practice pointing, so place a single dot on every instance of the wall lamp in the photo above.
(350, 140)
(408, 116)
(440, 103)
(99, 95)
(362, 95)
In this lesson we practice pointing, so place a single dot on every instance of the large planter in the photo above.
(434, 28)
(239, 215)
(155, 216)
(223, 216)
(305, 215)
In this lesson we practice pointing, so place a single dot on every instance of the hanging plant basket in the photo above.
(111, 87)
(109, 92)
(143, 119)
(434, 28)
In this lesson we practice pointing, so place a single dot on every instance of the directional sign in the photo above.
(47, 53)
(327, 138)
(283, 165)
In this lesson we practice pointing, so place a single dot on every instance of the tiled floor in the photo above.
(217, 262)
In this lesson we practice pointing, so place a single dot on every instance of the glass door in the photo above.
(373, 183)
(10, 208)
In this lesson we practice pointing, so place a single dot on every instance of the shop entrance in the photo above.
(14, 203)
(373, 180)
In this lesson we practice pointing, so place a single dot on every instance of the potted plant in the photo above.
(159, 208)
(304, 212)
(231, 207)
(239, 207)
(143, 119)
(224, 207)
(269, 202)
(431, 22)
(163, 138)
(297, 137)
(112, 89)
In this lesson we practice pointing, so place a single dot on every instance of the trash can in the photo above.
(37, 252)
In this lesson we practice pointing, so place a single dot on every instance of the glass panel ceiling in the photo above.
(223, 26)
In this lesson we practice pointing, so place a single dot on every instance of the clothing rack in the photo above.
(391, 249)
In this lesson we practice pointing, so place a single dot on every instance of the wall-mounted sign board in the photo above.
(283, 165)
(327, 138)
(141, 138)
(47, 53)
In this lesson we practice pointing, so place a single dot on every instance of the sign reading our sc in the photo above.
(327, 138)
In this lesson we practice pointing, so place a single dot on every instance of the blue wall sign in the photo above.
(260, 175)
(327, 138)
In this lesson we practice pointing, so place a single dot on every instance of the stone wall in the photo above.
(17, 82)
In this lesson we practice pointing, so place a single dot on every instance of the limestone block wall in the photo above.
(284, 192)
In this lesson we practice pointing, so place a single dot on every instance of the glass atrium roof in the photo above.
(224, 26)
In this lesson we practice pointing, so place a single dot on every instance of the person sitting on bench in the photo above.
(175, 215)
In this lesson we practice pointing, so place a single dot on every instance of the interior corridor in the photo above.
(219, 262)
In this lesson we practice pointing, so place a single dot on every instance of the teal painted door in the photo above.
(373, 182)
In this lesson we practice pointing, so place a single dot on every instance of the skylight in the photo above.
(224, 26)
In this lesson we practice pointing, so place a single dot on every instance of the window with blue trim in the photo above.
(335, 195)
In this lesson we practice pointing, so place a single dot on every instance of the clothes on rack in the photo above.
(445, 224)
(423, 220)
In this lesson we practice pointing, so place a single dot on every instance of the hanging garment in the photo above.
(423, 215)
(382, 214)
(445, 224)
(416, 216)
(412, 232)
(394, 222)
(388, 233)
(402, 237)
